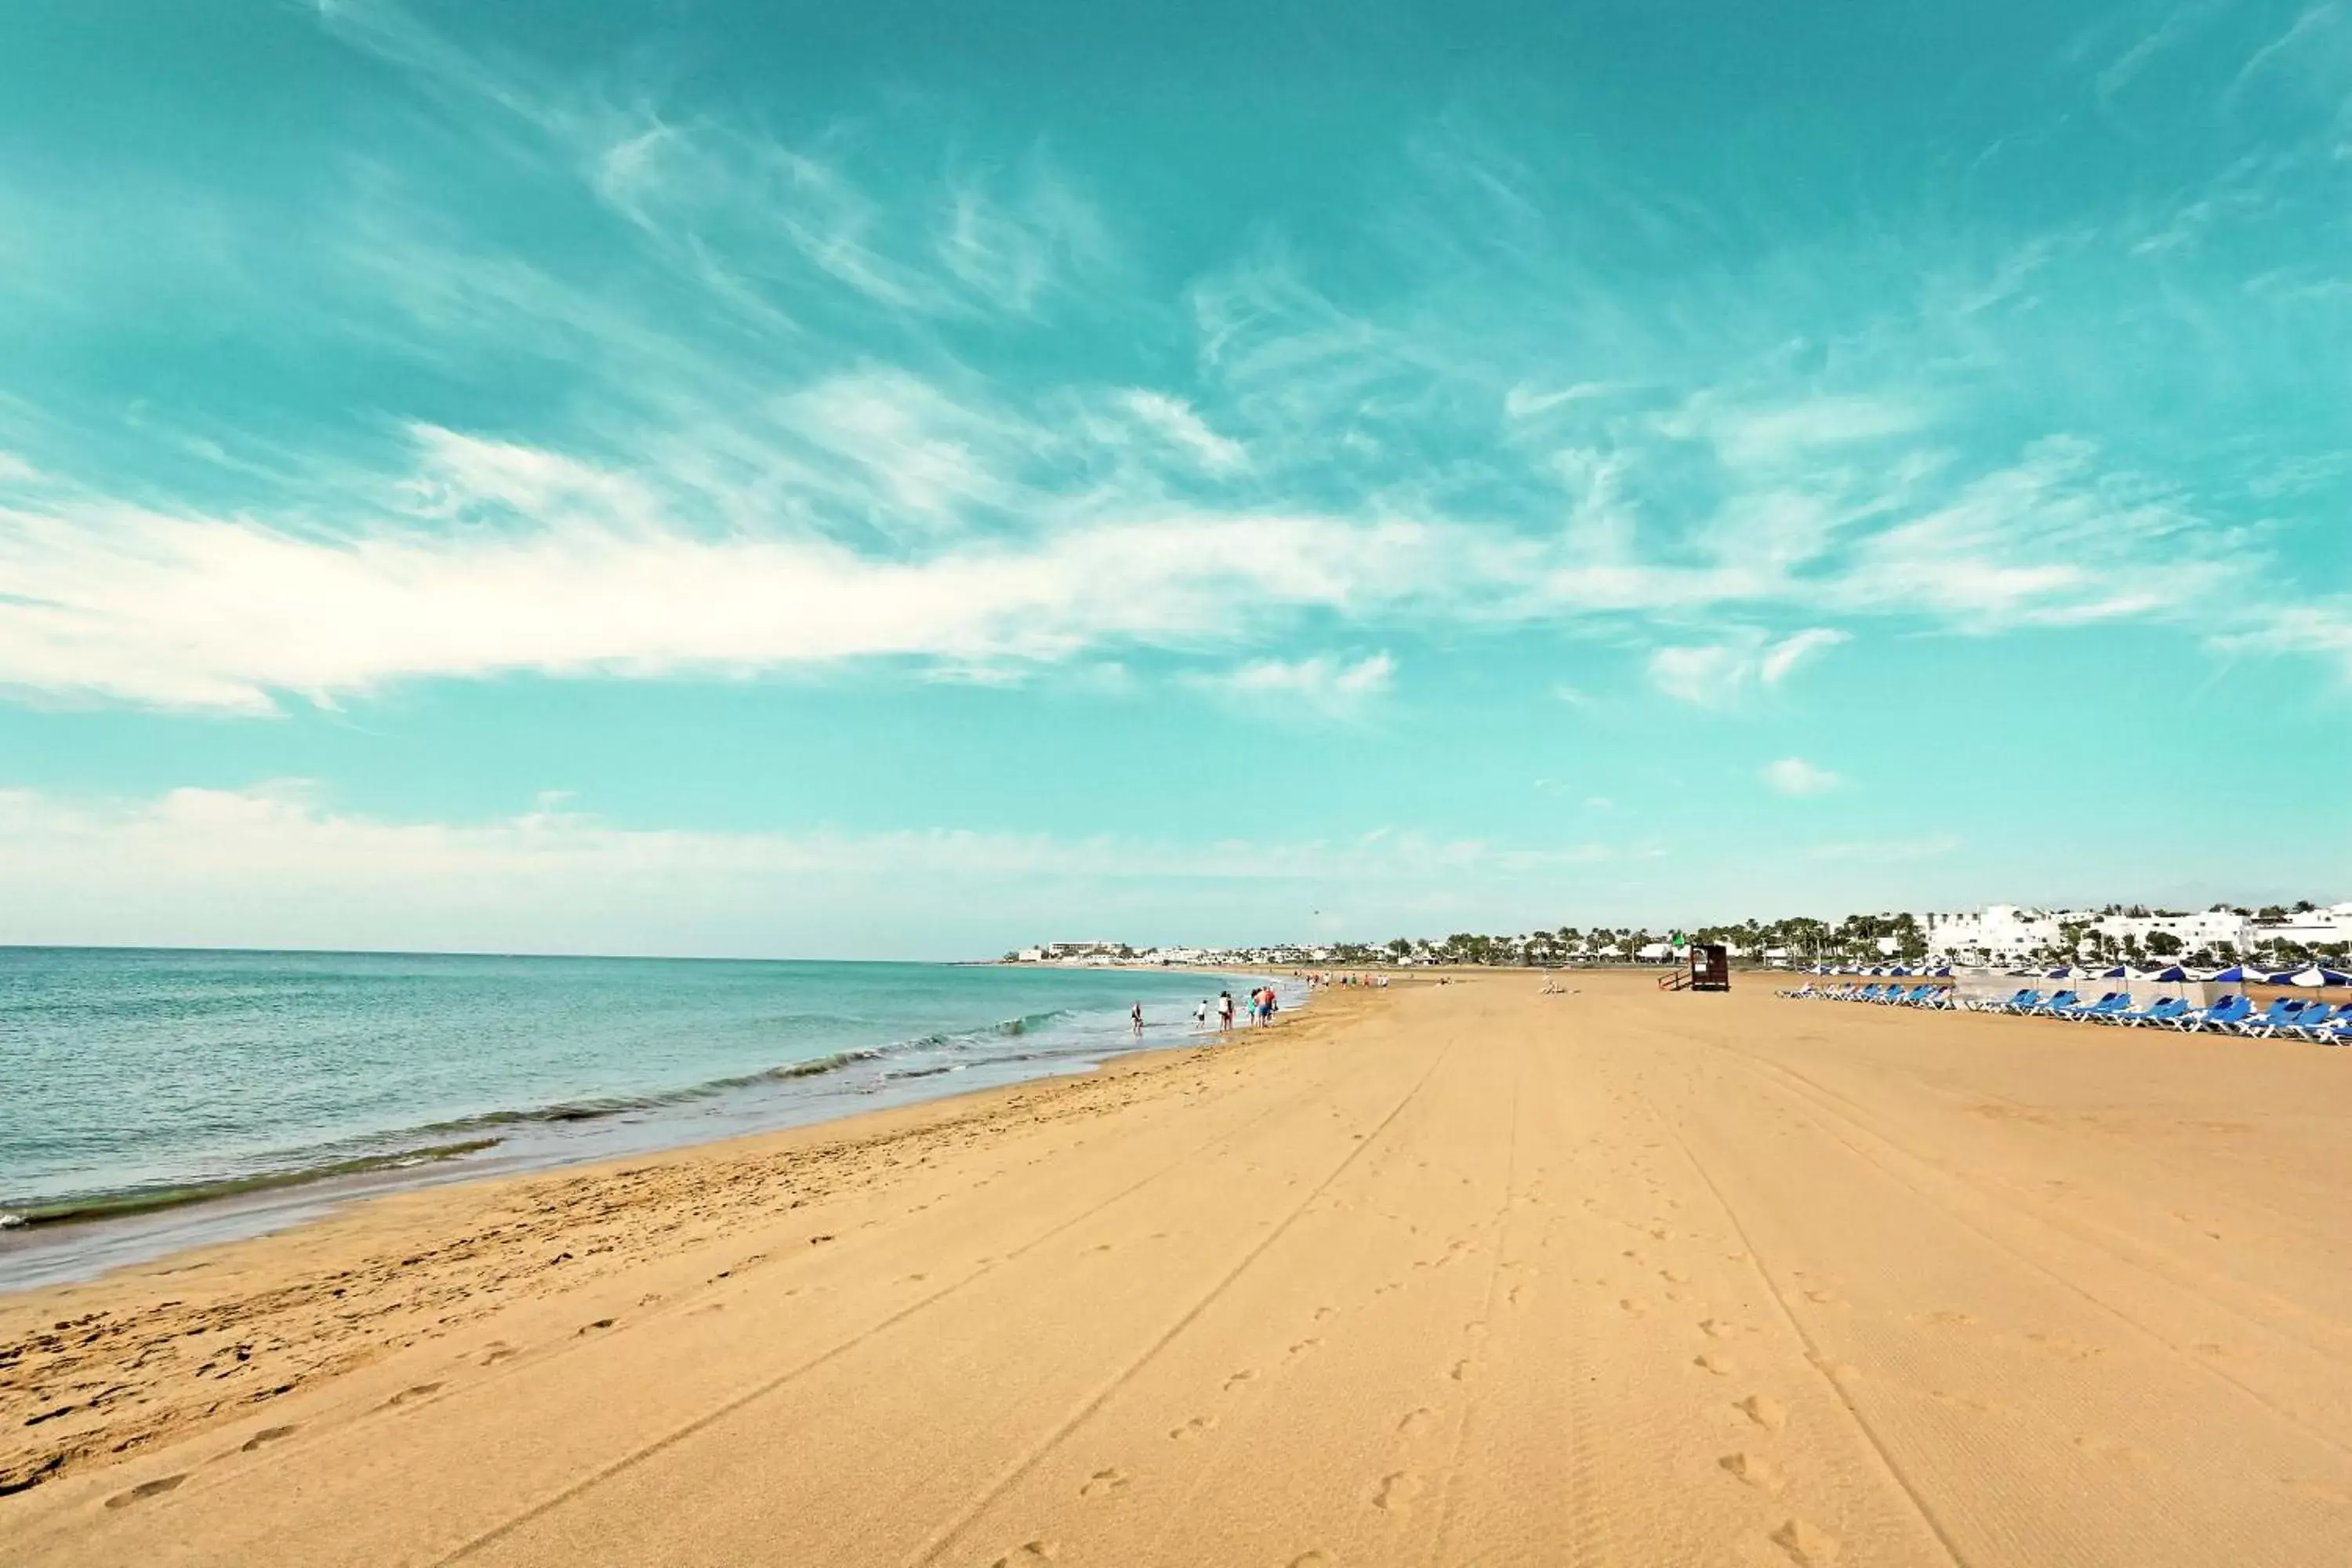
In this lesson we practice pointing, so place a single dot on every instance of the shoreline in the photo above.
(347, 1230)
(45, 1242)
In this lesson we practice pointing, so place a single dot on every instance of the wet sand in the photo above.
(1437, 1275)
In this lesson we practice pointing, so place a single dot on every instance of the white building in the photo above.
(1066, 950)
(2312, 928)
(2002, 933)
(2197, 930)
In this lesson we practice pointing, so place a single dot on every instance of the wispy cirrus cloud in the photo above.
(1717, 674)
(798, 418)
(1322, 683)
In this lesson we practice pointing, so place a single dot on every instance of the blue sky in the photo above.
(905, 479)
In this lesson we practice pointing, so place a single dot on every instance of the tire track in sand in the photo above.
(635, 1457)
(955, 1529)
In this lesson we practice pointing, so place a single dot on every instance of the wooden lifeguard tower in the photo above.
(1710, 966)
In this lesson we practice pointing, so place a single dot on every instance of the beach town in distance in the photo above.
(1066, 784)
(2273, 937)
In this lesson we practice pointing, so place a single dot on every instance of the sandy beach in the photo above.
(1454, 1275)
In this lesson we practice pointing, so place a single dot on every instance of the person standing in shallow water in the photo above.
(1224, 1012)
(1134, 1016)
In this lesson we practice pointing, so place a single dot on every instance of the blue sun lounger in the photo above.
(2282, 1013)
(2057, 1004)
(2163, 1011)
(2221, 1015)
(2025, 999)
(2318, 1021)
(2107, 1006)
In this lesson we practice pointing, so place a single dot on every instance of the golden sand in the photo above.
(1460, 1274)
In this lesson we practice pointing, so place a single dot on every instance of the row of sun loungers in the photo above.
(1936, 996)
(2285, 1018)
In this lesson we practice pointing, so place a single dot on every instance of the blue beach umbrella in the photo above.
(2314, 975)
(2170, 975)
(2117, 973)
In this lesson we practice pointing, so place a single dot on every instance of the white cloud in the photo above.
(1707, 677)
(1796, 776)
(1173, 420)
(1753, 436)
(1325, 683)
(1784, 655)
(198, 612)
(1720, 674)
(2320, 629)
(1524, 402)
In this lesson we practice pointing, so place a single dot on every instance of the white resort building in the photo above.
(2003, 932)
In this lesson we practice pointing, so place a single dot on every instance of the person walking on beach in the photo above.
(1224, 1012)
(1135, 1016)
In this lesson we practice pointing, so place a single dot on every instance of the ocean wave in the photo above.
(148, 1200)
(456, 1137)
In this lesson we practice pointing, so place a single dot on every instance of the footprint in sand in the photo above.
(1719, 1366)
(1824, 1299)
(1806, 1543)
(1670, 1278)
(1461, 1372)
(499, 1350)
(1102, 1483)
(1197, 1427)
(1028, 1552)
(1397, 1491)
(1416, 1422)
(1716, 1328)
(1311, 1559)
(1755, 1469)
(2114, 1453)
(2072, 1350)
(405, 1395)
(1764, 1410)
(266, 1436)
(1244, 1376)
(1303, 1346)
(1632, 1306)
(145, 1491)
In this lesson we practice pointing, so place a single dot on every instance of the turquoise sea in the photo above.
(138, 1082)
